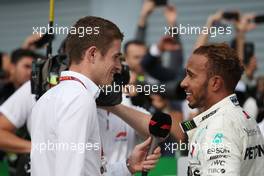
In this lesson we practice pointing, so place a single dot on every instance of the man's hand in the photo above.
(137, 160)
(147, 8)
(203, 37)
(27, 44)
(214, 17)
(167, 43)
(245, 23)
(170, 14)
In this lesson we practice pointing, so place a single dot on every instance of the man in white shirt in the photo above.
(65, 116)
(64, 120)
(122, 146)
(15, 118)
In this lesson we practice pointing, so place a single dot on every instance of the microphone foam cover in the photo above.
(160, 124)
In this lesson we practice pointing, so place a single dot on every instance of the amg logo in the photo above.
(218, 162)
(253, 152)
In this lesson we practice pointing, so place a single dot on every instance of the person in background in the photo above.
(20, 72)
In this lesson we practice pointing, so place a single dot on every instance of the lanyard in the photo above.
(103, 160)
(66, 78)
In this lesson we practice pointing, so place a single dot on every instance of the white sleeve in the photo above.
(154, 50)
(117, 168)
(17, 108)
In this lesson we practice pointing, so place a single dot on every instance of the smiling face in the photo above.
(108, 64)
(196, 81)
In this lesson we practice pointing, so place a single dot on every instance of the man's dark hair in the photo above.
(18, 54)
(76, 44)
(135, 42)
(222, 61)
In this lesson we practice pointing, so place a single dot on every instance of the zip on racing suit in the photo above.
(224, 140)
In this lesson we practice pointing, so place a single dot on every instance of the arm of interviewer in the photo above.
(139, 120)
(8, 139)
(136, 119)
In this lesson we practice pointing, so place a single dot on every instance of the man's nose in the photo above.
(183, 83)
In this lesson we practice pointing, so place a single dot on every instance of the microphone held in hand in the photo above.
(159, 128)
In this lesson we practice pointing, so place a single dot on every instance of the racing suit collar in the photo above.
(196, 121)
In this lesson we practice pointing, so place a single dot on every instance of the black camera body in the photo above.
(46, 73)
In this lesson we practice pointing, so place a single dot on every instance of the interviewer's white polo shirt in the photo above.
(65, 131)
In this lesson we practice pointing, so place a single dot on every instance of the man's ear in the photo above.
(12, 68)
(216, 82)
(90, 54)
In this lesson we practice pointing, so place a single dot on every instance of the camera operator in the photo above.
(21, 60)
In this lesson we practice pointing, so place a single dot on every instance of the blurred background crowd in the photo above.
(153, 58)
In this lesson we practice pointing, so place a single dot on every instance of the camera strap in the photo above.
(103, 159)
